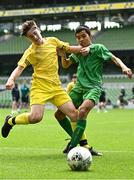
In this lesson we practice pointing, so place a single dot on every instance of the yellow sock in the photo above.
(73, 124)
(86, 146)
(20, 119)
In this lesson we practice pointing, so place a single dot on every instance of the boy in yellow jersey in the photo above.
(46, 86)
(88, 87)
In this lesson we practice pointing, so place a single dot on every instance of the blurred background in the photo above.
(111, 23)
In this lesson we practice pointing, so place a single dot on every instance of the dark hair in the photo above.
(81, 28)
(26, 26)
(74, 76)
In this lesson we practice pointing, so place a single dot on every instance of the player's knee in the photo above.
(59, 115)
(74, 115)
(83, 112)
(35, 118)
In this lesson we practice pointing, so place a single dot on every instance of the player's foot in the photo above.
(66, 148)
(105, 111)
(94, 152)
(69, 148)
(6, 127)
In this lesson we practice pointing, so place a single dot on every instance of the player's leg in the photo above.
(71, 112)
(84, 109)
(69, 127)
(18, 106)
(91, 98)
(77, 98)
(14, 105)
(83, 141)
(32, 117)
(64, 122)
(65, 106)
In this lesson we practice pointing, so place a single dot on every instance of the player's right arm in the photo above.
(66, 62)
(14, 75)
(22, 64)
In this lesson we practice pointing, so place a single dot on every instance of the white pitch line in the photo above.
(57, 149)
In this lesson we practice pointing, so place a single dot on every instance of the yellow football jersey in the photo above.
(44, 59)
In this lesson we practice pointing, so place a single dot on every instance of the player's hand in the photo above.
(85, 50)
(60, 52)
(128, 72)
(10, 84)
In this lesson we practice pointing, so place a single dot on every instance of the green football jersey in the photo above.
(90, 67)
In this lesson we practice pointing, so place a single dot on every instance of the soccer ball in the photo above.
(79, 159)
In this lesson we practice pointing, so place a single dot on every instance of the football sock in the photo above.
(81, 125)
(66, 125)
(20, 119)
(84, 137)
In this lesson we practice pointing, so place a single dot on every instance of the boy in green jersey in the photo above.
(88, 87)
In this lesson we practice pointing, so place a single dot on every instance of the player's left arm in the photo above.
(66, 62)
(124, 68)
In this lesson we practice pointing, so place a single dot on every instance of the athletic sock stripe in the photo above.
(13, 121)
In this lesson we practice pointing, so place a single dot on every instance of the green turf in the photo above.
(35, 151)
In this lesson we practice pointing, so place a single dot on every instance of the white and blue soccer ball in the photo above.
(79, 159)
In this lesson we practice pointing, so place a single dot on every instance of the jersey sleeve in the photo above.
(61, 44)
(24, 61)
(74, 58)
(103, 52)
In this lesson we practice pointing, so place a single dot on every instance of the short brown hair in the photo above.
(26, 26)
(74, 76)
(81, 28)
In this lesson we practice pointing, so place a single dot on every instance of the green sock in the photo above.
(66, 125)
(81, 125)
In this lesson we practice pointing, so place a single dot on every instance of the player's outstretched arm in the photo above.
(74, 49)
(79, 49)
(66, 62)
(124, 68)
(14, 75)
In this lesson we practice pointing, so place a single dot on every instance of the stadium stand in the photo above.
(17, 44)
(117, 39)
(113, 39)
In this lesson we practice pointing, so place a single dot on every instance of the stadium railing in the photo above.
(112, 86)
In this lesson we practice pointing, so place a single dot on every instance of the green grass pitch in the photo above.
(35, 151)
